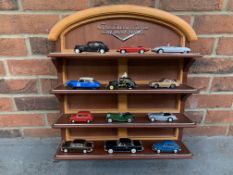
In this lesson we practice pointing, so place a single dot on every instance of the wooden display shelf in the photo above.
(141, 121)
(116, 55)
(100, 153)
(141, 89)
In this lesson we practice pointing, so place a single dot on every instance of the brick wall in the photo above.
(26, 74)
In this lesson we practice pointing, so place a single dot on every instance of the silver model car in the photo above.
(171, 49)
(162, 117)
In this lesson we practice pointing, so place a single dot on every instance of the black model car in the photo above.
(123, 145)
(123, 81)
(92, 46)
(77, 145)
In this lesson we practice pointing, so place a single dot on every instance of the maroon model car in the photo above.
(138, 49)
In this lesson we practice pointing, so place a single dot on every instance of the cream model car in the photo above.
(164, 83)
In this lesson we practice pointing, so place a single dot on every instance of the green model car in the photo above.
(119, 117)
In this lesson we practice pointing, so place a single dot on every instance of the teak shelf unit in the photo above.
(87, 25)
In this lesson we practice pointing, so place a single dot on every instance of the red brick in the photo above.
(230, 131)
(225, 46)
(41, 46)
(212, 65)
(186, 18)
(200, 83)
(222, 84)
(31, 67)
(15, 86)
(209, 101)
(219, 116)
(206, 131)
(195, 116)
(54, 4)
(28, 24)
(230, 5)
(48, 85)
(203, 46)
(14, 120)
(36, 103)
(53, 117)
(10, 133)
(8, 5)
(211, 24)
(191, 5)
(41, 132)
(2, 69)
(150, 3)
(6, 104)
(12, 47)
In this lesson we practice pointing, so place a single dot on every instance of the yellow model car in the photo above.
(164, 83)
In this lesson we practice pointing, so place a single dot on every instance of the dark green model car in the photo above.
(120, 117)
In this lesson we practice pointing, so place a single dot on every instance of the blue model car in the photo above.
(167, 146)
(83, 82)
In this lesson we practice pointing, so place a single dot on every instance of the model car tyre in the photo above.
(110, 151)
(160, 51)
(141, 51)
(102, 51)
(170, 119)
(129, 120)
(111, 87)
(152, 119)
(88, 121)
(77, 51)
(158, 151)
(133, 151)
(123, 51)
(73, 121)
(156, 86)
(84, 151)
(175, 151)
(109, 120)
(65, 150)
(172, 86)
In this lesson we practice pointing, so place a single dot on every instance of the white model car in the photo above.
(166, 117)
(171, 49)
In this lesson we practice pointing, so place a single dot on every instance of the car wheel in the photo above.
(158, 151)
(77, 51)
(88, 121)
(133, 150)
(141, 51)
(102, 51)
(65, 150)
(73, 121)
(110, 151)
(170, 119)
(152, 119)
(84, 151)
(109, 120)
(185, 52)
(160, 51)
(123, 51)
(175, 151)
(111, 87)
(129, 120)
(156, 86)
(172, 86)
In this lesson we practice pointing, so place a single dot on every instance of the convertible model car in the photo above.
(123, 82)
(119, 117)
(162, 117)
(171, 49)
(164, 83)
(82, 116)
(138, 49)
(167, 146)
(92, 46)
(123, 145)
(83, 82)
(77, 145)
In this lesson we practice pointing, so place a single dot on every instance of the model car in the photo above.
(92, 46)
(83, 82)
(167, 146)
(138, 49)
(162, 117)
(164, 83)
(171, 49)
(81, 116)
(123, 145)
(122, 82)
(77, 145)
(120, 117)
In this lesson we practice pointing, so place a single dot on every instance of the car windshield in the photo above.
(76, 144)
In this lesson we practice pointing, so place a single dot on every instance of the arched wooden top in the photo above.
(146, 12)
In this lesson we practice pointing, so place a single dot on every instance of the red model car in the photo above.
(138, 49)
(82, 116)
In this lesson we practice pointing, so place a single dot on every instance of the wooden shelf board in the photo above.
(100, 153)
(141, 89)
(141, 121)
(115, 55)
